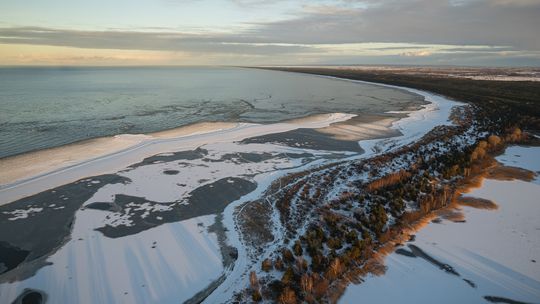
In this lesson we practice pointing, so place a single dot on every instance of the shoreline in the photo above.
(29, 165)
(162, 143)
(138, 146)
(73, 153)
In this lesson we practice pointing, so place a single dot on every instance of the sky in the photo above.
(278, 32)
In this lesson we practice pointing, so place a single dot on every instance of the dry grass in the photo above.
(476, 202)
(505, 173)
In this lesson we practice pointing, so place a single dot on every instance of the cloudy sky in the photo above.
(278, 32)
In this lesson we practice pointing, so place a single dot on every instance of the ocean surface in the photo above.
(42, 107)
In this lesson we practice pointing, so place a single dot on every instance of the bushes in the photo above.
(494, 141)
(288, 296)
(254, 283)
(288, 256)
(306, 283)
(351, 236)
(334, 243)
(388, 180)
(320, 287)
(297, 248)
(256, 296)
(266, 265)
(378, 219)
(397, 206)
(334, 269)
(288, 277)
(318, 262)
(279, 264)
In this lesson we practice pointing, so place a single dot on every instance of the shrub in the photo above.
(287, 256)
(351, 236)
(334, 243)
(287, 296)
(494, 140)
(253, 281)
(266, 265)
(306, 283)
(256, 296)
(297, 248)
(288, 277)
(279, 264)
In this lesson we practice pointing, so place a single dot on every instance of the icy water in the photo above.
(48, 107)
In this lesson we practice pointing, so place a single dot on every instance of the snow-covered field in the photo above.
(497, 251)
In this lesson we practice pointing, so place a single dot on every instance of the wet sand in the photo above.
(30, 164)
(307, 139)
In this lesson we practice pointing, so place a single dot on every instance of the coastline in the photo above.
(142, 146)
(96, 156)
(27, 165)
(412, 126)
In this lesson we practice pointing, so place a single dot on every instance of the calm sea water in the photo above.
(47, 107)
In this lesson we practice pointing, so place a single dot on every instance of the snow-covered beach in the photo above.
(264, 163)
(159, 178)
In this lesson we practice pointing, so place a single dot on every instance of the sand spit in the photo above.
(50, 168)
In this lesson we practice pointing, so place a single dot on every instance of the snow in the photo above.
(94, 269)
(516, 155)
(22, 213)
(494, 248)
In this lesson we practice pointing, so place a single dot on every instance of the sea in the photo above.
(45, 107)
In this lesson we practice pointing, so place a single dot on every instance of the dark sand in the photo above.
(205, 200)
(307, 139)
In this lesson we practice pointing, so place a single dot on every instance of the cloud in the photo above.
(417, 54)
(517, 2)
(413, 30)
(147, 40)
(415, 21)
